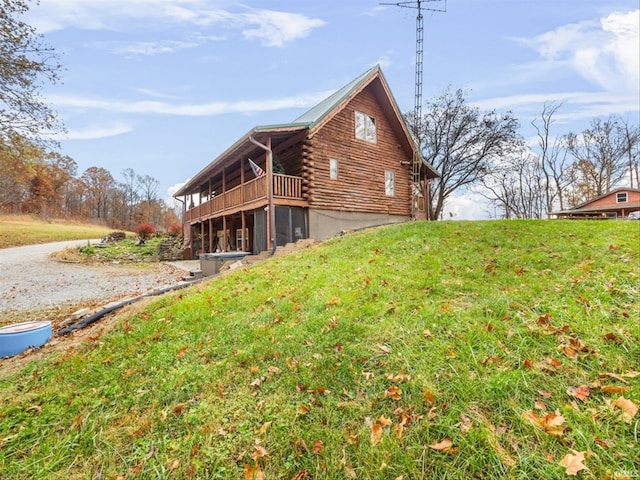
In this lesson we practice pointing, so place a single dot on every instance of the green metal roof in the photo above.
(321, 110)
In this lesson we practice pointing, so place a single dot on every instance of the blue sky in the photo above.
(164, 86)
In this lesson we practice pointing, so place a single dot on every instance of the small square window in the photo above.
(389, 187)
(365, 127)
(621, 197)
(333, 169)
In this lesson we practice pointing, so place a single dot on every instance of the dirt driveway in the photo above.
(31, 281)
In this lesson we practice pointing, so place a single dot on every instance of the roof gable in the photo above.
(611, 193)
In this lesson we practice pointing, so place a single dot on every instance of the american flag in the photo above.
(257, 171)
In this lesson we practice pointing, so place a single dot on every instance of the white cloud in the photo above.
(173, 189)
(582, 105)
(93, 132)
(604, 52)
(272, 28)
(143, 48)
(467, 206)
(375, 11)
(205, 109)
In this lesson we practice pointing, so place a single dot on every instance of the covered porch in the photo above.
(228, 205)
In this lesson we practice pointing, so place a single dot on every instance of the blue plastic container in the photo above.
(15, 339)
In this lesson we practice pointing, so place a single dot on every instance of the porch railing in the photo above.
(284, 186)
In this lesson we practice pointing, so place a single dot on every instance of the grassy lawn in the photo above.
(16, 231)
(449, 350)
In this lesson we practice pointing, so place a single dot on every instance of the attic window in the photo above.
(621, 197)
(365, 127)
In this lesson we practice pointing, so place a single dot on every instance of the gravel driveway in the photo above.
(31, 281)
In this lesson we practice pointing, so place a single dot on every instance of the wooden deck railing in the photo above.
(284, 186)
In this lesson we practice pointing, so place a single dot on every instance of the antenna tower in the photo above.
(417, 107)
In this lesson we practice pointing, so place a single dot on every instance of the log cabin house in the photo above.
(343, 165)
(617, 204)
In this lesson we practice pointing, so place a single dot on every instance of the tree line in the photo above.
(39, 181)
(484, 151)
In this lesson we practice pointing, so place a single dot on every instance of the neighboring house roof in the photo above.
(310, 120)
(584, 207)
(621, 189)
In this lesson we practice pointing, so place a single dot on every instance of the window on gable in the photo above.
(621, 197)
(365, 127)
(333, 169)
(389, 187)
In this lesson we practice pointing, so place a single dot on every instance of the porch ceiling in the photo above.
(243, 148)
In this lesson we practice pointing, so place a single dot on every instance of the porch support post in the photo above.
(272, 209)
(242, 189)
(210, 236)
(244, 225)
(224, 233)
(202, 236)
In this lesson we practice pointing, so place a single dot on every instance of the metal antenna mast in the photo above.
(417, 107)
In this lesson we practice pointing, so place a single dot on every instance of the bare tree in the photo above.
(461, 142)
(25, 64)
(554, 161)
(149, 187)
(601, 157)
(98, 183)
(631, 134)
(130, 188)
(515, 186)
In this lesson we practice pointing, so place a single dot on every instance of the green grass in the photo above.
(449, 330)
(16, 231)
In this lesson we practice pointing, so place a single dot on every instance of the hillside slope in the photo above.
(425, 350)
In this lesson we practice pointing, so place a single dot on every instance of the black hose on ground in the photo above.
(101, 313)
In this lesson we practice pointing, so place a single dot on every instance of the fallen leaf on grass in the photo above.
(263, 429)
(376, 433)
(629, 409)
(616, 377)
(253, 473)
(444, 445)
(581, 392)
(259, 451)
(464, 423)
(427, 396)
(393, 392)
(398, 377)
(550, 423)
(301, 474)
(318, 446)
(573, 463)
(614, 389)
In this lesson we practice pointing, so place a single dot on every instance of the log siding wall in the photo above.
(361, 165)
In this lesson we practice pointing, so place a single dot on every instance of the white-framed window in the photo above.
(389, 183)
(366, 127)
(621, 197)
(333, 169)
